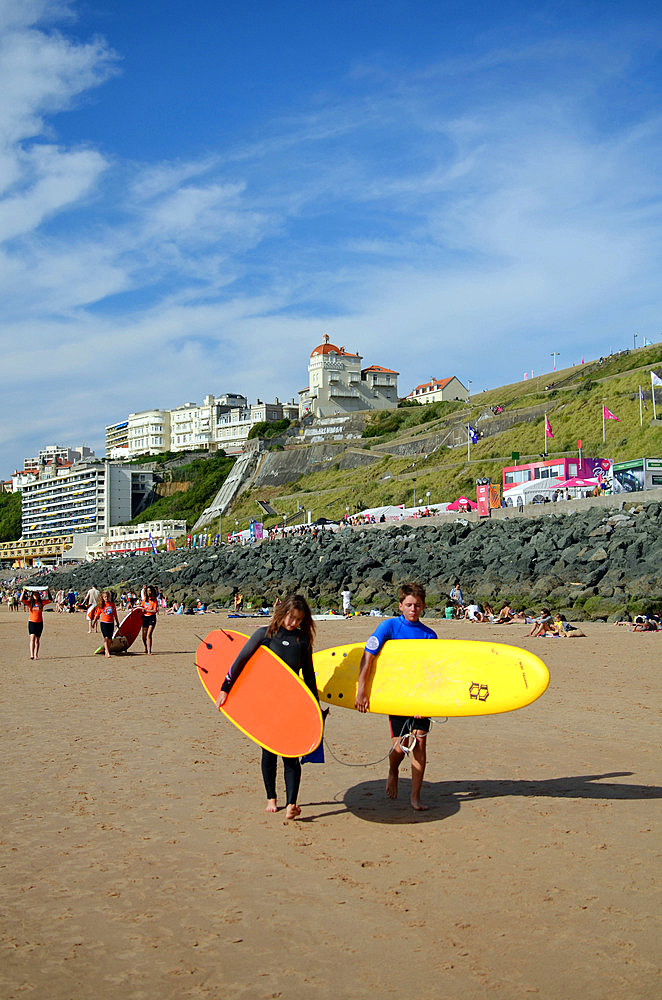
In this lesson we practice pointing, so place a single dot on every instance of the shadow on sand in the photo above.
(367, 800)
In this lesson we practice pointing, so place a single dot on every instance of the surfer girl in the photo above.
(34, 602)
(150, 606)
(410, 733)
(107, 615)
(290, 635)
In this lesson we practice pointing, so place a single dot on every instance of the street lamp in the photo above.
(635, 340)
(555, 355)
(469, 381)
(428, 496)
(414, 491)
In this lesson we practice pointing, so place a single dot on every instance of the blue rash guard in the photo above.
(397, 628)
(400, 628)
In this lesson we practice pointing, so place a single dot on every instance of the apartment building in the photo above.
(194, 427)
(87, 497)
(218, 422)
(148, 433)
(117, 440)
(57, 454)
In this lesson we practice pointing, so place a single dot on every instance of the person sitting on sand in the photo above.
(565, 630)
(473, 613)
(407, 734)
(544, 624)
(645, 623)
(290, 635)
(505, 616)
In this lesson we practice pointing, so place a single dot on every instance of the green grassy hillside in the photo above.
(573, 399)
(203, 478)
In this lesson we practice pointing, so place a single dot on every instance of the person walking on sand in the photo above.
(34, 602)
(150, 607)
(91, 598)
(290, 635)
(408, 734)
(107, 615)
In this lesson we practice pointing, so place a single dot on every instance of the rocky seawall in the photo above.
(595, 564)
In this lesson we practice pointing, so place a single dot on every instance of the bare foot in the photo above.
(271, 806)
(392, 784)
(418, 805)
(292, 811)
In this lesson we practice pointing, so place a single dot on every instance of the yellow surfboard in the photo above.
(434, 677)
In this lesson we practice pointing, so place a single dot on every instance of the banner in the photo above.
(608, 415)
(548, 428)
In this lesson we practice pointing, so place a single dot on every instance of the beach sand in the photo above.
(137, 861)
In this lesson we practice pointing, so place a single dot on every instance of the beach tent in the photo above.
(462, 502)
(532, 492)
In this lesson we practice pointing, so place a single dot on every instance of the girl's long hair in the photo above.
(293, 602)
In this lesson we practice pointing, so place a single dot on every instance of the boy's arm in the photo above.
(367, 662)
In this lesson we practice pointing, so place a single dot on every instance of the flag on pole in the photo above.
(472, 434)
(642, 398)
(647, 342)
(548, 428)
(656, 379)
(608, 415)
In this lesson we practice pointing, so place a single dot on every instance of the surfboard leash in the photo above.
(372, 763)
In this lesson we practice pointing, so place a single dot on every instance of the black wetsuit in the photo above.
(293, 648)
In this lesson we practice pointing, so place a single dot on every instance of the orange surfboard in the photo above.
(268, 701)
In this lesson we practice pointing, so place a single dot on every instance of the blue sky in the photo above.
(191, 195)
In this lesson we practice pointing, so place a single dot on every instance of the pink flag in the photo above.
(548, 428)
(608, 415)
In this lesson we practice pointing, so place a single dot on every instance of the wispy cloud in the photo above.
(463, 217)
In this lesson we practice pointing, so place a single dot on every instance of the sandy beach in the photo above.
(138, 862)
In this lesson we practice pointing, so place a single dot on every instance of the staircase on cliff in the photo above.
(242, 471)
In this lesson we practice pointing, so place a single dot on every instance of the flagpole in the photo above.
(468, 444)
(603, 421)
(653, 395)
(641, 412)
(545, 433)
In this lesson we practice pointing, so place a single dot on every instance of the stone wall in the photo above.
(596, 563)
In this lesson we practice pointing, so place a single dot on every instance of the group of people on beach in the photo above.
(101, 613)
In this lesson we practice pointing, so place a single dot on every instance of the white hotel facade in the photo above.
(86, 498)
(218, 422)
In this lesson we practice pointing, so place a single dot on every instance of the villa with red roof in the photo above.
(438, 389)
(338, 384)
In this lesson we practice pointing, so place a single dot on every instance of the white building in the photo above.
(84, 498)
(128, 538)
(194, 427)
(218, 422)
(438, 390)
(148, 433)
(338, 384)
(57, 454)
(117, 440)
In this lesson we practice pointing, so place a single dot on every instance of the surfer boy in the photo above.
(404, 731)
(290, 635)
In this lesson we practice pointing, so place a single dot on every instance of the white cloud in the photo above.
(444, 221)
